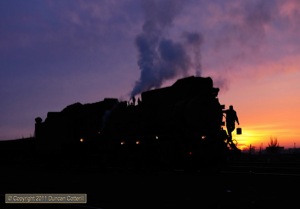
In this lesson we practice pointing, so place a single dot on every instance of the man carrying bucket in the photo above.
(231, 118)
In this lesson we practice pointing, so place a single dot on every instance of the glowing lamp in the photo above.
(81, 140)
(137, 142)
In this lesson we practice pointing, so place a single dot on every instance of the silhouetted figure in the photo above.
(231, 118)
(38, 123)
(139, 101)
(133, 100)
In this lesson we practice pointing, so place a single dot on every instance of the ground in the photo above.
(116, 188)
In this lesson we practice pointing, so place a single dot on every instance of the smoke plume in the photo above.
(194, 41)
(161, 57)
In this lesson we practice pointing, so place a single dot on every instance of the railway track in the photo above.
(264, 168)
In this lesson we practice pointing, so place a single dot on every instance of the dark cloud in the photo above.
(247, 28)
(161, 13)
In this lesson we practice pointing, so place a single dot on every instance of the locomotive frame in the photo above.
(177, 126)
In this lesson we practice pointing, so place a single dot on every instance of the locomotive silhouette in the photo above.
(176, 126)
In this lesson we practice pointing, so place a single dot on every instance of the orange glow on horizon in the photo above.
(267, 107)
(259, 136)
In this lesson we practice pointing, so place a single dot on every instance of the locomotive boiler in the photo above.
(176, 126)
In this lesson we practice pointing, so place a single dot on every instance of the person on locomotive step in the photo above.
(231, 118)
(139, 101)
(133, 100)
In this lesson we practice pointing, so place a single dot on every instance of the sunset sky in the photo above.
(54, 53)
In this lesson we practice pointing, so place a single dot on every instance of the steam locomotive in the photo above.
(176, 126)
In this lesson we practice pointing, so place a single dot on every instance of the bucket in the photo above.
(239, 131)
